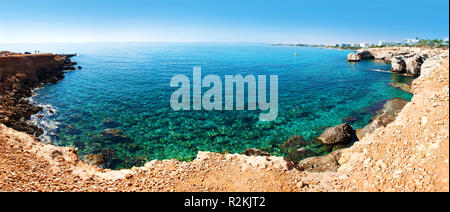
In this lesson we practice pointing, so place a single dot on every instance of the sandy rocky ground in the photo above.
(411, 154)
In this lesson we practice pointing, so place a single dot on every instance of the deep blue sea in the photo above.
(126, 86)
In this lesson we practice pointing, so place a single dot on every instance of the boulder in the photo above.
(398, 65)
(341, 134)
(352, 57)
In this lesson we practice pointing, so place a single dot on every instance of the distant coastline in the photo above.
(318, 46)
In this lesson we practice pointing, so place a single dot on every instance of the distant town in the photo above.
(444, 43)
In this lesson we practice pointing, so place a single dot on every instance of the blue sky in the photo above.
(269, 21)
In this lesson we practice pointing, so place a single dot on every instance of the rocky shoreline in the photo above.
(405, 60)
(19, 75)
(418, 61)
(391, 155)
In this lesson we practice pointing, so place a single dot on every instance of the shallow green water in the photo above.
(126, 87)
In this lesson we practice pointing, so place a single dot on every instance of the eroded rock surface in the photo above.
(328, 163)
(398, 65)
(407, 60)
(19, 74)
(353, 57)
(384, 116)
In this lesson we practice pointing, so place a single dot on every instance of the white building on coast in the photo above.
(364, 45)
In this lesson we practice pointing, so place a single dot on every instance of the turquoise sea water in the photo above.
(126, 86)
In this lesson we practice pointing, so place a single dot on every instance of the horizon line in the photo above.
(212, 42)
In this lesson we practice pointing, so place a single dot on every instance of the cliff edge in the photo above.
(19, 75)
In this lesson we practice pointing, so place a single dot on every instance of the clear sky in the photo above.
(269, 21)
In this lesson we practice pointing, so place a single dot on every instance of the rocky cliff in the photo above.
(408, 60)
(409, 154)
(34, 68)
(19, 74)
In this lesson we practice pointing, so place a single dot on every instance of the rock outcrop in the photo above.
(360, 55)
(38, 68)
(414, 64)
(353, 57)
(341, 134)
(365, 55)
(19, 74)
(328, 163)
(398, 65)
(405, 60)
(411, 153)
(384, 116)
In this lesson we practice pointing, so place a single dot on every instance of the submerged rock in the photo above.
(350, 120)
(75, 118)
(293, 143)
(101, 160)
(384, 116)
(109, 123)
(341, 134)
(71, 129)
(300, 154)
(115, 135)
(402, 86)
(393, 106)
(112, 133)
